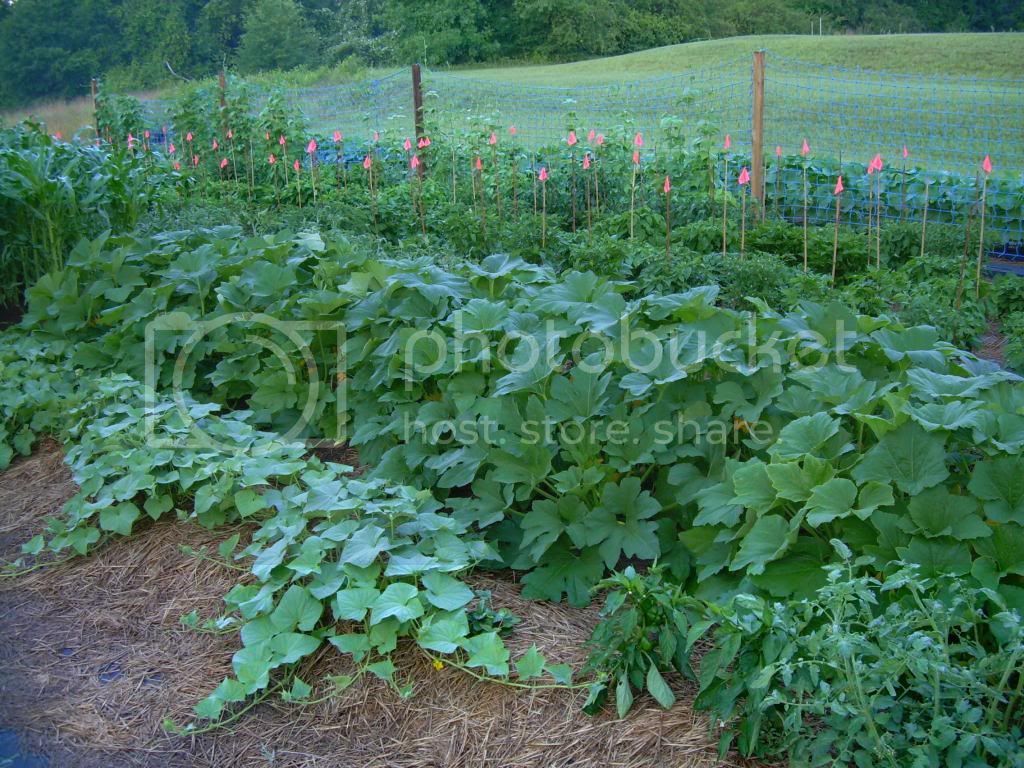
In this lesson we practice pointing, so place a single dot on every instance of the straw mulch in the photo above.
(93, 656)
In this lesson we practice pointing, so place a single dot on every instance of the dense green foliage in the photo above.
(54, 193)
(135, 42)
(740, 459)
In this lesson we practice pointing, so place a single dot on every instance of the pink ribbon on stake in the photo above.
(636, 157)
(986, 164)
(415, 162)
(744, 177)
(778, 151)
(271, 159)
(512, 130)
(571, 140)
(407, 145)
(478, 164)
(591, 135)
(638, 140)
(839, 186)
(543, 175)
(311, 147)
(367, 162)
(493, 139)
(223, 163)
(667, 186)
(337, 137)
(423, 143)
(586, 162)
(728, 141)
(805, 148)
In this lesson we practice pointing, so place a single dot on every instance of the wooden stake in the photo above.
(668, 220)
(871, 214)
(544, 216)
(632, 201)
(572, 192)
(497, 181)
(725, 204)
(924, 217)
(963, 260)
(835, 241)
(878, 223)
(981, 239)
(903, 191)
(805, 215)
(743, 219)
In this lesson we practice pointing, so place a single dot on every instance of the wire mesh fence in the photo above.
(947, 124)
(543, 115)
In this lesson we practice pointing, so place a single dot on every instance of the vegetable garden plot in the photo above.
(818, 463)
(98, 654)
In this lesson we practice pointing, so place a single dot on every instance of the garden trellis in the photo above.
(947, 125)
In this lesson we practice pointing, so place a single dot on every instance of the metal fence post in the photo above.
(757, 131)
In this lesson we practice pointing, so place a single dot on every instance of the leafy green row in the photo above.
(796, 428)
(357, 564)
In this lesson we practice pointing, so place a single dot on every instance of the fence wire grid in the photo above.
(847, 115)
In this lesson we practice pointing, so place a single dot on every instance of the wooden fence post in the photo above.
(223, 83)
(417, 106)
(94, 87)
(757, 131)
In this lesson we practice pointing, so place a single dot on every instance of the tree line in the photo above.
(53, 47)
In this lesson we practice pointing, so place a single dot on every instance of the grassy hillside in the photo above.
(979, 55)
